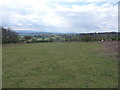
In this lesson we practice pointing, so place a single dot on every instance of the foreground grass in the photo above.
(58, 65)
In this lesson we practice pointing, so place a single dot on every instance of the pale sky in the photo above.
(76, 16)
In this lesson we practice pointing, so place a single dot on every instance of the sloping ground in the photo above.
(58, 65)
(111, 45)
(111, 49)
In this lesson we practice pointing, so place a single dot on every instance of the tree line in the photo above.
(105, 36)
(9, 36)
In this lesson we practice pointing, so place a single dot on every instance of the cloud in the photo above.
(60, 15)
(90, 17)
(86, 0)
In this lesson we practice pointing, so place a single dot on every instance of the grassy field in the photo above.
(58, 65)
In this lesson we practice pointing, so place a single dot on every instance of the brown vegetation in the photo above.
(112, 46)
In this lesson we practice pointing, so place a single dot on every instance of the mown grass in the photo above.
(58, 65)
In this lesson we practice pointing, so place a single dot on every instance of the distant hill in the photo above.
(30, 32)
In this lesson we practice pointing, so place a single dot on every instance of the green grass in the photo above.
(58, 65)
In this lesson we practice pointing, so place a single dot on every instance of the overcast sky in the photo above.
(60, 15)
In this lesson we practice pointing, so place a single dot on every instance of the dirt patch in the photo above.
(111, 49)
(112, 46)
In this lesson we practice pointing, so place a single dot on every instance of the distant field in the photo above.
(59, 65)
